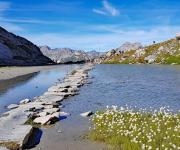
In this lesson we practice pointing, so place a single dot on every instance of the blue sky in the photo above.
(91, 24)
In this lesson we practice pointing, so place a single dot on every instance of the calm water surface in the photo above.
(135, 85)
(29, 86)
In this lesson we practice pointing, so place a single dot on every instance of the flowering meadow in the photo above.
(129, 129)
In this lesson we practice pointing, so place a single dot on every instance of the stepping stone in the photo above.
(25, 101)
(13, 106)
(87, 114)
(47, 119)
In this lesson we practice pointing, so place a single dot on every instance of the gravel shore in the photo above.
(12, 72)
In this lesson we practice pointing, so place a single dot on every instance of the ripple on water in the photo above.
(135, 85)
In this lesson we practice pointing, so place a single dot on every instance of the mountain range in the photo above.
(18, 51)
(67, 55)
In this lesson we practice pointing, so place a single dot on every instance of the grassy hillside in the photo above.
(167, 52)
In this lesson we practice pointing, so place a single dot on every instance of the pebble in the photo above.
(59, 131)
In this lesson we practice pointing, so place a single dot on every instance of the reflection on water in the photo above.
(7, 84)
(29, 86)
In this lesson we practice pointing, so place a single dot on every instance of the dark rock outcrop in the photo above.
(16, 50)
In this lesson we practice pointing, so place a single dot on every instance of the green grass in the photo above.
(172, 59)
(129, 130)
(111, 62)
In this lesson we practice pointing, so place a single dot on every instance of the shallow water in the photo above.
(143, 86)
(31, 85)
(135, 85)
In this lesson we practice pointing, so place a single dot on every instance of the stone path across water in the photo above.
(43, 110)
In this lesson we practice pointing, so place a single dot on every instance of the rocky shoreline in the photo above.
(17, 125)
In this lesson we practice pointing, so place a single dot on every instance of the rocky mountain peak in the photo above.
(129, 46)
(45, 47)
(68, 55)
(16, 50)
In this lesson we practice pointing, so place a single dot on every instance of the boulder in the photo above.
(62, 90)
(86, 114)
(48, 107)
(74, 83)
(13, 106)
(64, 85)
(108, 54)
(57, 89)
(139, 52)
(36, 108)
(60, 94)
(56, 114)
(51, 110)
(25, 101)
(73, 89)
(44, 120)
(64, 113)
(12, 128)
(51, 105)
(19, 136)
(161, 48)
(174, 64)
(49, 98)
(150, 59)
(42, 114)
